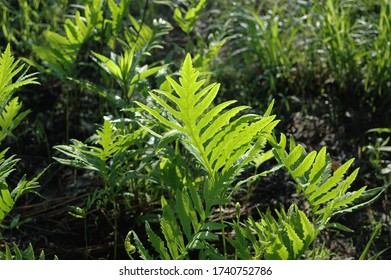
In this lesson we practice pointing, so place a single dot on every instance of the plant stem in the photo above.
(223, 232)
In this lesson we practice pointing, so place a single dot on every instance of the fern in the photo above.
(118, 13)
(9, 69)
(61, 52)
(15, 253)
(24, 186)
(286, 237)
(326, 192)
(188, 20)
(124, 69)
(105, 157)
(10, 118)
(220, 145)
(184, 229)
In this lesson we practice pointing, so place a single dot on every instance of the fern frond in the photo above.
(219, 144)
(10, 118)
(157, 243)
(9, 69)
(144, 38)
(6, 202)
(109, 145)
(187, 21)
(326, 193)
(27, 254)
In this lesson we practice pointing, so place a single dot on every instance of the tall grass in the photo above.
(336, 48)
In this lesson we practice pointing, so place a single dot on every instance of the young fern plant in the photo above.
(10, 118)
(286, 237)
(292, 233)
(105, 158)
(125, 70)
(221, 146)
(109, 156)
(188, 18)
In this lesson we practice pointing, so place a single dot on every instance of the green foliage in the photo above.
(24, 186)
(9, 69)
(336, 32)
(205, 128)
(222, 148)
(61, 53)
(272, 39)
(10, 118)
(118, 14)
(6, 201)
(144, 38)
(288, 237)
(326, 193)
(378, 149)
(179, 160)
(105, 157)
(185, 230)
(379, 64)
(187, 19)
(27, 254)
(124, 70)
(112, 157)
(23, 21)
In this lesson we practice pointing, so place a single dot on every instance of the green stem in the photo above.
(223, 232)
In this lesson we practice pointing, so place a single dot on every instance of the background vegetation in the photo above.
(117, 163)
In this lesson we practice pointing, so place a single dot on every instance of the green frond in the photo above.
(109, 65)
(171, 231)
(9, 69)
(217, 142)
(326, 193)
(101, 156)
(60, 53)
(159, 117)
(297, 243)
(10, 118)
(305, 165)
(157, 243)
